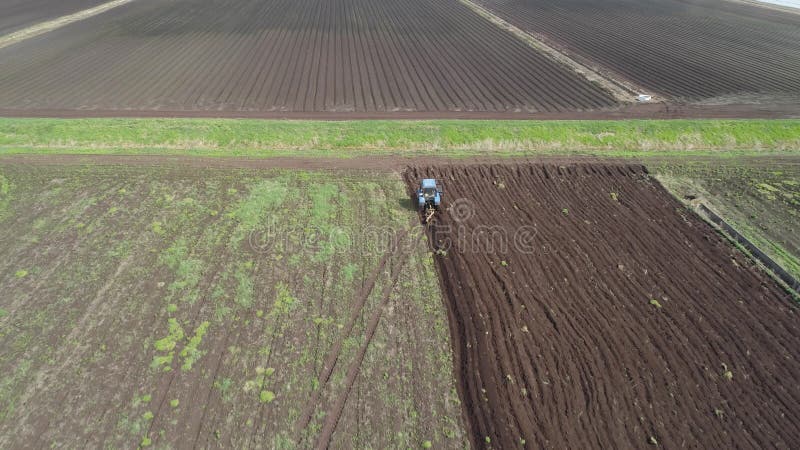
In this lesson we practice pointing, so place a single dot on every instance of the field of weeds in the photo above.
(218, 308)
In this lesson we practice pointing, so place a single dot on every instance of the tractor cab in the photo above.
(429, 194)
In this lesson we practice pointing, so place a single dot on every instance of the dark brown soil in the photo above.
(614, 317)
(762, 202)
(669, 110)
(288, 56)
(415, 59)
(691, 49)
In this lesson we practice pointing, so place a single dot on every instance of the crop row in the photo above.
(287, 55)
(689, 49)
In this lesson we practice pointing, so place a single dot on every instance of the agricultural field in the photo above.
(176, 271)
(18, 14)
(173, 306)
(760, 199)
(287, 56)
(681, 49)
(589, 308)
(227, 302)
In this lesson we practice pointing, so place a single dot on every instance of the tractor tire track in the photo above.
(682, 49)
(335, 411)
(333, 355)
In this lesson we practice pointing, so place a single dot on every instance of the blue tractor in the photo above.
(429, 198)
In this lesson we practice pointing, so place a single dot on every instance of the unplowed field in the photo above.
(177, 307)
(17, 14)
(288, 55)
(691, 49)
(589, 309)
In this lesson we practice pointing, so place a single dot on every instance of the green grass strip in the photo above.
(265, 138)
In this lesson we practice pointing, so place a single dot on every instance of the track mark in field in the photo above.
(333, 355)
(50, 25)
(335, 411)
(357, 57)
(623, 92)
(686, 50)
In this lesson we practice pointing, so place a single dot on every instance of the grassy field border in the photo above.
(455, 138)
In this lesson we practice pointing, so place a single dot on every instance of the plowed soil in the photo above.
(340, 56)
(691, 49)
(613, 317)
